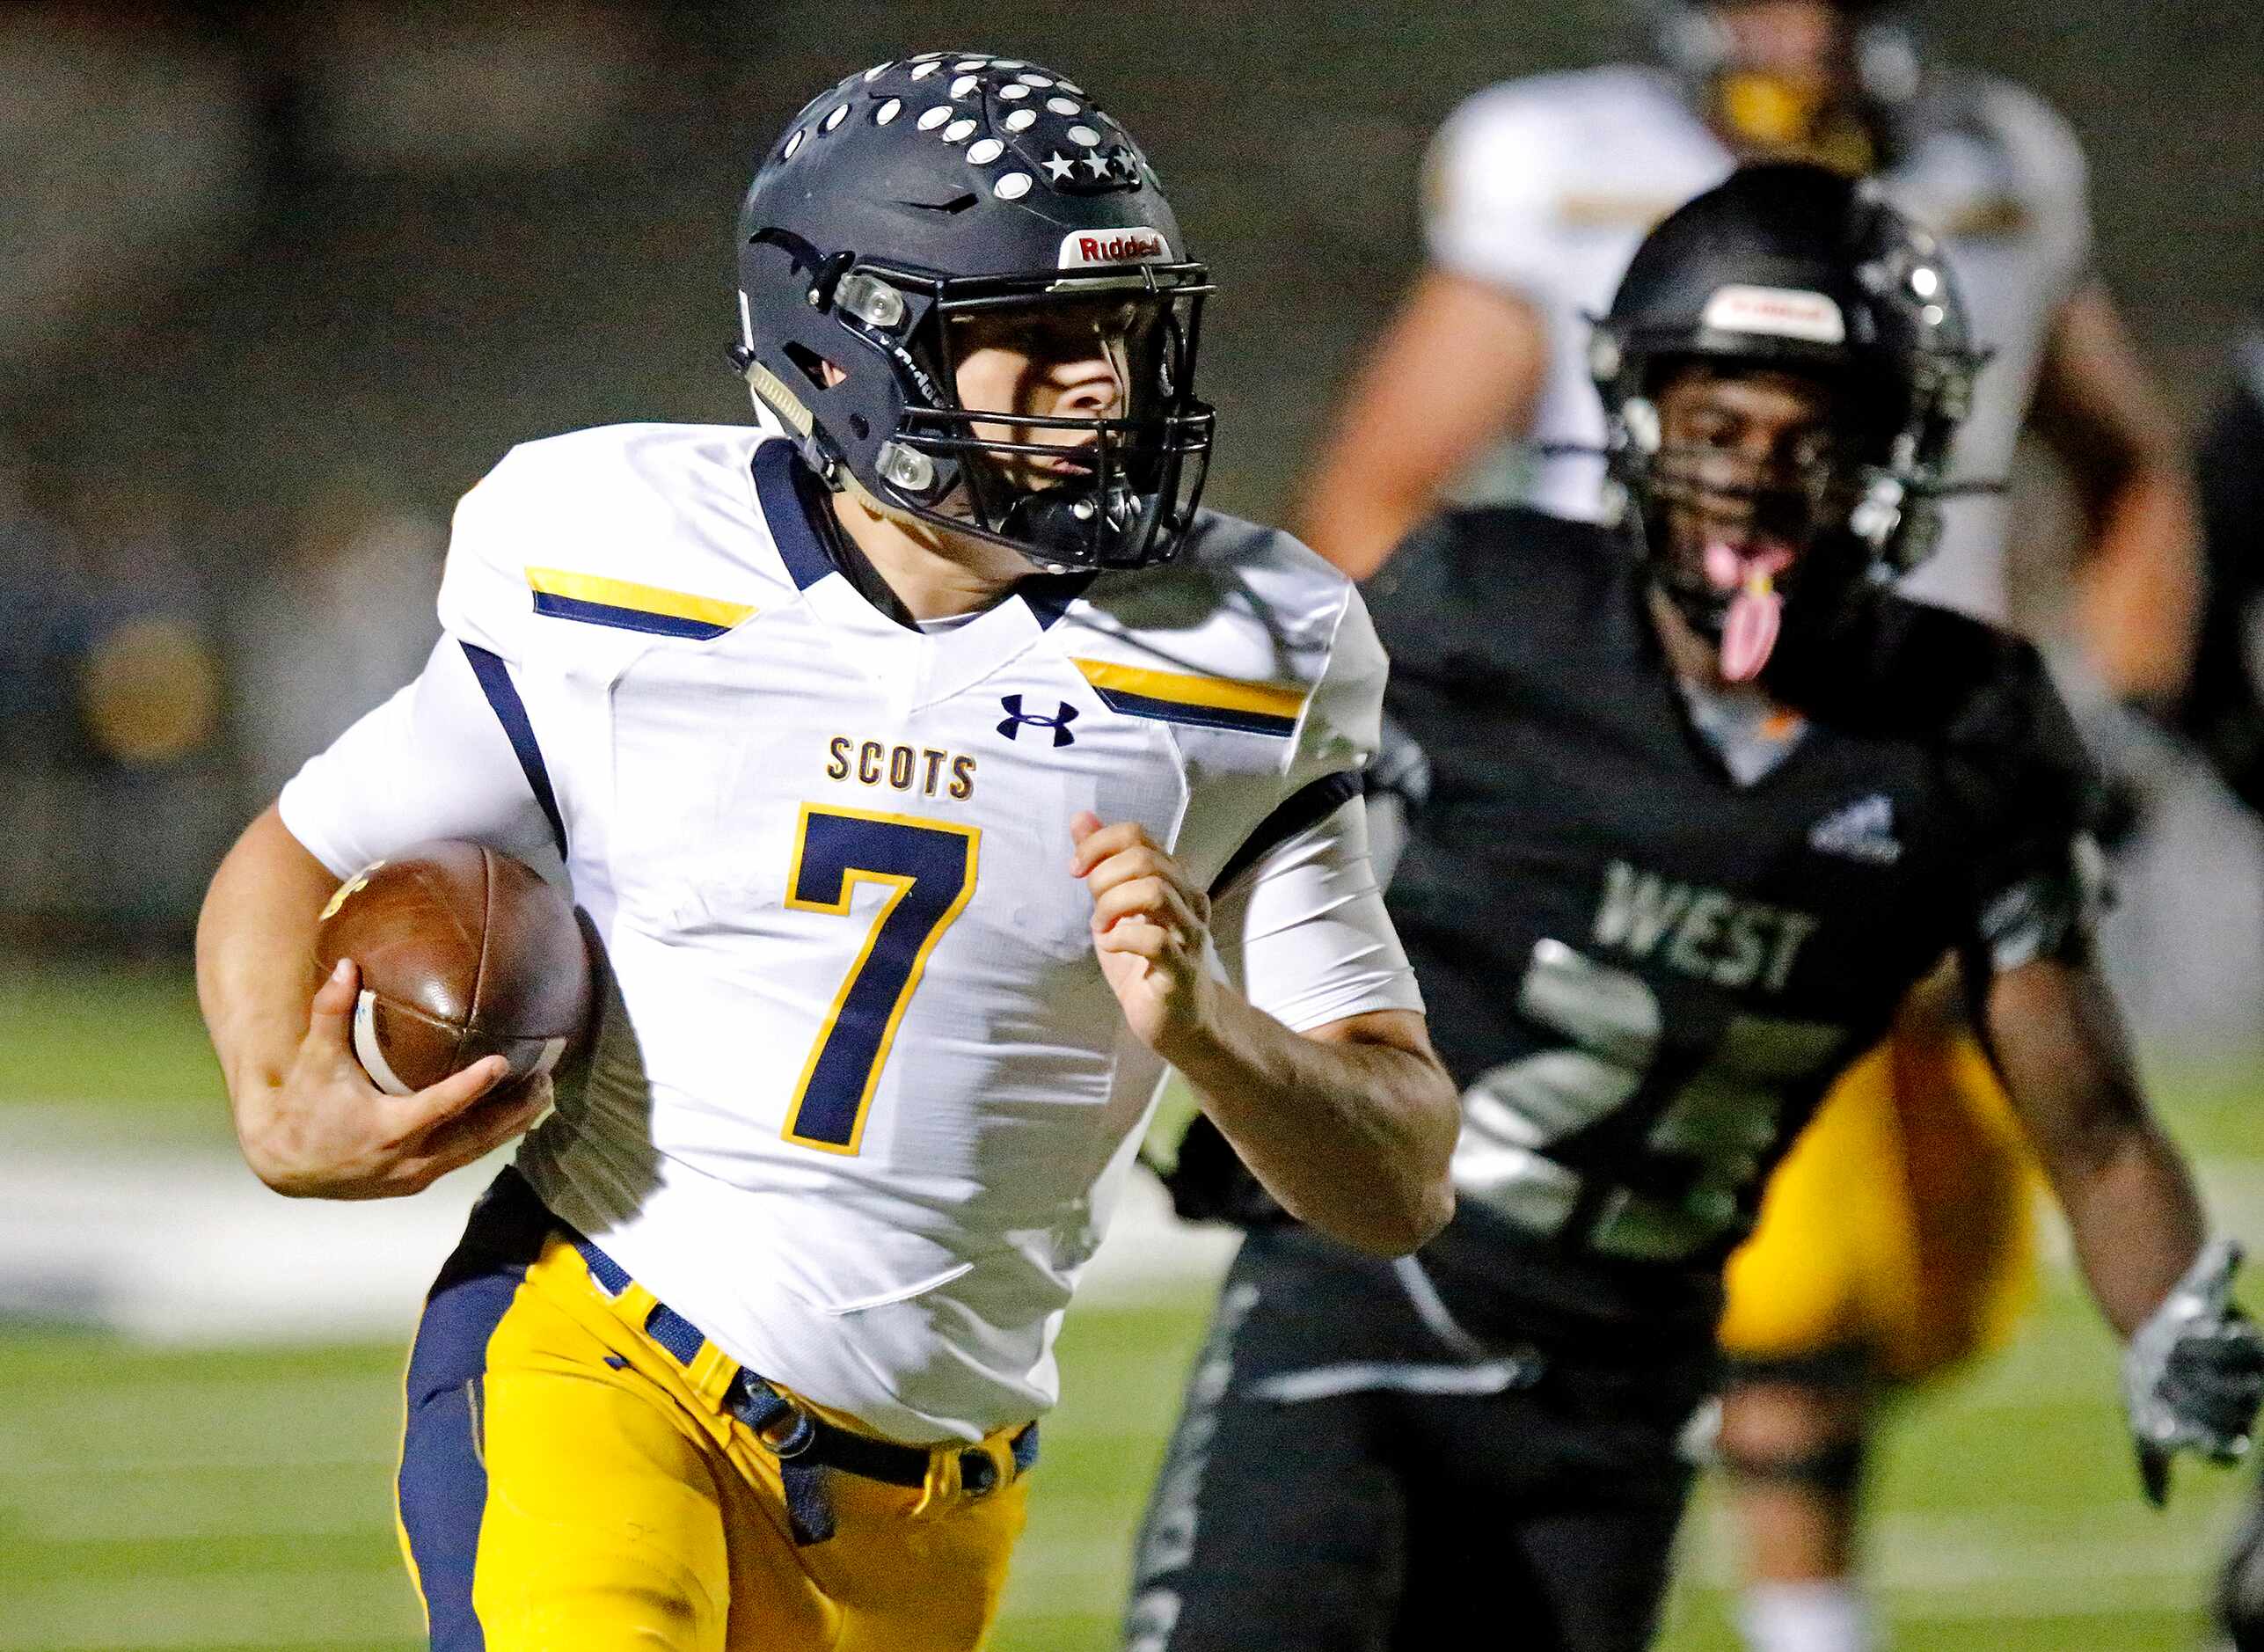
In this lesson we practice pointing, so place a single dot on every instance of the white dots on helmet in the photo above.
(964, 84)
(1013, 94)
(958, 131)
(1063, 105)
(1034, 80)
(1083, 134)
(1012, 186)
(1021, 119)
(1070, 85)
(839, 115)
(888, 112)
(879, 70)
(966, 63)
(924, 70)
(793, 144)
(986, 151)
(1009, 62)
(935, 117)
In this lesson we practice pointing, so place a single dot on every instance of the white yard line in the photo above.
(184, 1247)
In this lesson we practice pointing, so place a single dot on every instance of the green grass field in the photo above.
(240, 1499)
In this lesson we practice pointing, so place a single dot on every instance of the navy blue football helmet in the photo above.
(949, 186)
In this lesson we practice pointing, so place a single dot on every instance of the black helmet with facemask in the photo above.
(1800, 269)
(950, 186)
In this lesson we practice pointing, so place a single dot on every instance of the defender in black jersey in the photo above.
(1697, 801)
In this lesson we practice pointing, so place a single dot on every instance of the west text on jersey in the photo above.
(1709, 934)
(923, 769)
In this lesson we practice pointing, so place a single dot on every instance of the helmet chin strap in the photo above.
(1063, 516)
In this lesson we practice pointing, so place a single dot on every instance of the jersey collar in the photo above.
(922, 667)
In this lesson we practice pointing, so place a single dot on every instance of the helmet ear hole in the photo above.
(822, 374)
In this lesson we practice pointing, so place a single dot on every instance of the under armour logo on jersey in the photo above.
(1016, 717)
(1863, 830)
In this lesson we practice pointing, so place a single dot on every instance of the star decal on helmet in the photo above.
(855, 241)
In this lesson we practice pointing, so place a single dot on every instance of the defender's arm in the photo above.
(2058, 1041)
(2193, 1372)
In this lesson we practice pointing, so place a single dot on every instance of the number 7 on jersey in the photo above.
(928, 868)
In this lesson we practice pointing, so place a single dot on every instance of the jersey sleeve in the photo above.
(1299, 913)
(2051, 180)
(434, 761)
(1341, 724)
(483, 594)
(1303, 931)
(1489, 212)
(2038, 879)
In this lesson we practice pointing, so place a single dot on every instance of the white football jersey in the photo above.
(860, 1099)
(1546, 186)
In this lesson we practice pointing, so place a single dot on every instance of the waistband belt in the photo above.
(806, 1445)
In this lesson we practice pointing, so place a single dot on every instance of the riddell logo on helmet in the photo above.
(1782, 312)
(1087, 247)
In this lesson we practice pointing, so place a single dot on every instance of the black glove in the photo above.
(2194, 1373)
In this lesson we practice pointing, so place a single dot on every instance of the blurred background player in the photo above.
(1897, 1242)
(1701, 801)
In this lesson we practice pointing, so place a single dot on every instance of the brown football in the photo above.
(464, 953)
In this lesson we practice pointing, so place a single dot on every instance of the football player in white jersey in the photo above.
(933, 774)
(1538, 193)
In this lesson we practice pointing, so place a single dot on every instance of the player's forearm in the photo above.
(1361, 503)
(2138, 589)
(2137, 1220)
(1351, 1135)
(2130, 1204)
(1461, 365)
(255, 959)
(2139, 595)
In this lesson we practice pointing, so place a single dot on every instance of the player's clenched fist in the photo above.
(1149, 923)
(325, 1131)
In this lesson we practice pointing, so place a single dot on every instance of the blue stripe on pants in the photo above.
(444, 1484)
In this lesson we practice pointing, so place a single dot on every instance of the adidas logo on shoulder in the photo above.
(1862, 831)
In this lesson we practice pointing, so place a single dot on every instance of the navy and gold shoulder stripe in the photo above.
(626, 605)
(1201, 702)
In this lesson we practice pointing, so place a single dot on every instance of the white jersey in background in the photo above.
(860, 1099)
(1544, 186)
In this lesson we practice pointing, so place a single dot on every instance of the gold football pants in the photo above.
(1901, 1225)
(569, 1484)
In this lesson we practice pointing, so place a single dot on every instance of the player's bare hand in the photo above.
(1150, 926)
(323, 1131)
